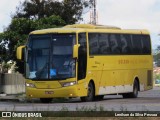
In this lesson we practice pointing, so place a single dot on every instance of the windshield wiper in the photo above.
(60, 78)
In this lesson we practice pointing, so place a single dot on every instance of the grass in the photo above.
(65, 114)
(83, 111)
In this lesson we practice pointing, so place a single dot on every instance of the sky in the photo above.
(127, 14)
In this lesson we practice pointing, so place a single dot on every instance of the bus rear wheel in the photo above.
(46, 100)
(90, 94)
(133, 94)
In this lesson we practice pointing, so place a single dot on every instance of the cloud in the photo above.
(7, 7)
(131, 14)
(127, 14)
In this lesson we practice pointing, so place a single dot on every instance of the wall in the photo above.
(12, 83)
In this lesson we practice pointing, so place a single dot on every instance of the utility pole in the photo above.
(93, 14)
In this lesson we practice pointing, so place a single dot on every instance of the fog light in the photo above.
(30, 95)
(30, 85)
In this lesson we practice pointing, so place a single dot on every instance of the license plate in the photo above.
(49, 92)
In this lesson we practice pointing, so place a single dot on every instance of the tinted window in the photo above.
(137, 45)
(146, 45)
(93, 44)
(126, 44)
(115, 43)
(104, 46)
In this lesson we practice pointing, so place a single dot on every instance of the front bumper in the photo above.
(70, 91)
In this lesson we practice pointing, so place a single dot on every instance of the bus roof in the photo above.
(76, 28)
(90, 26)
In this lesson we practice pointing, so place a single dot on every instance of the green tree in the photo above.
(17, 32)
(3, 49)
(69, 10)
(38, 14)
(156, 56)
(157, 59)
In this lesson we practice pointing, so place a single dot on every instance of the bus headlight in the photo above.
(66, 84)
(30, 85)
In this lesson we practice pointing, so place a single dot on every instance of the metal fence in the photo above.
(12, 83)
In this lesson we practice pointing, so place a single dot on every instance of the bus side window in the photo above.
(137, 45)
(93, 44)
(104, 47)
(126, 43)
(146, 49)
(115, 44)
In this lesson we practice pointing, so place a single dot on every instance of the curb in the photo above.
(5, 97)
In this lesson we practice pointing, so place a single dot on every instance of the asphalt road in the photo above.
(147, 101)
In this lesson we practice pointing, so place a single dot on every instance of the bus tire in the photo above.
(90, 94)
(46, 100)
(133, 94)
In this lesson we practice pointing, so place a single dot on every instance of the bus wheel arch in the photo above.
(136, 88)
(92, 82)
(90, 92)
(137, 80)
(134, 94)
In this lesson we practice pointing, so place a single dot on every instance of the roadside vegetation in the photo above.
(34, 15)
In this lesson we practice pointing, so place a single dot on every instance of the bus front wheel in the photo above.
(90, 94)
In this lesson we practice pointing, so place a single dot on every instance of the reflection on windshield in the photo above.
(50, 57)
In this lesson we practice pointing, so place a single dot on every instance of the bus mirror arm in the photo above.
(75, 50)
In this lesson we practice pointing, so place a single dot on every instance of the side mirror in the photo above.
(20, 53)
(75, 50)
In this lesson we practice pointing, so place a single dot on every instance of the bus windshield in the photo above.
(49, 57)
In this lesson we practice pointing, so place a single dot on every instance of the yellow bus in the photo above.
(87, 61)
